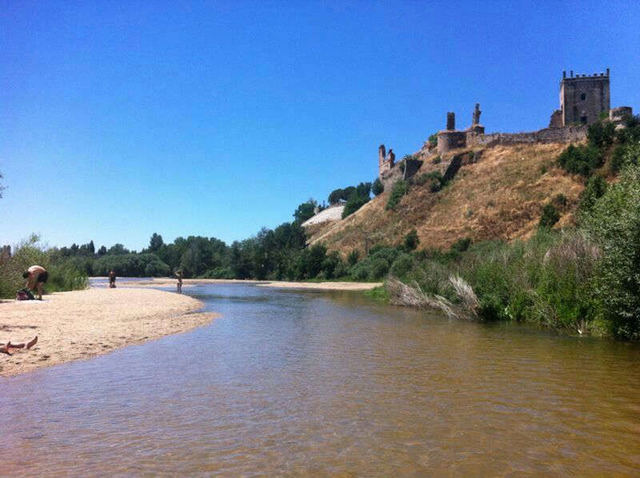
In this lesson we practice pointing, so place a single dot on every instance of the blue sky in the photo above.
(120, 119)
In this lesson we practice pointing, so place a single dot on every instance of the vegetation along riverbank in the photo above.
(552, 239)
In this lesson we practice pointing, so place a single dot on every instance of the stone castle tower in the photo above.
(582, 98)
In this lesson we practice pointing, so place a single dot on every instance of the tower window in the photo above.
(583, 96)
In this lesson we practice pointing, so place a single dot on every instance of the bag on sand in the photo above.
(24, 294)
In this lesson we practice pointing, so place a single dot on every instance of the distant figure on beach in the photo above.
(6, 348)
(179, 284)
(112, 279)
(36, 277)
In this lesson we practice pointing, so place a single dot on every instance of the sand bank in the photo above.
(161, 281)
(82, 324)
(323, 285)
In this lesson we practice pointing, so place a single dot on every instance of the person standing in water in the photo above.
(179, 284)
(112, 279)
(36, 277)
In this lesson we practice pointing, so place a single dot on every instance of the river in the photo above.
(330, 384)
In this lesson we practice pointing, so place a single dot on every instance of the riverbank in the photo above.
(163, 281)
(82, 324)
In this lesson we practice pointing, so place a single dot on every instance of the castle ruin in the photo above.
(583, 100)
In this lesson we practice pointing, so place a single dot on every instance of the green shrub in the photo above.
(399, 189)
(411, 240)
(549, 216)
(436, 160)
(433, 179)
(461, 245)
(559, 200)
(352, 258)
(580, 159)
(601, 134)
(595, 188)
(402, 265)
(353, 204)
(378, 268)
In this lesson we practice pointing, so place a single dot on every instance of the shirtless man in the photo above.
(6, 348)
(36, 277)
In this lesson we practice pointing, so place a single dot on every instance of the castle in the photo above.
(583, 100)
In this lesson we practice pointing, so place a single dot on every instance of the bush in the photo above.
(601, 134)
(352, 258)
(549, 216)
(353, 204)
(402, 265)
(580, 159)
(559, 200)
(595, 189)
(461, 245)
(399, 189)
(411, 240)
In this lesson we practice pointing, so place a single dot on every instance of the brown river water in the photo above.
(330, 384)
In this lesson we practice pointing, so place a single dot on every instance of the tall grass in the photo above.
(547, 280)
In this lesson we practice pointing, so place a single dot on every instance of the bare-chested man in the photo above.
(36, 277)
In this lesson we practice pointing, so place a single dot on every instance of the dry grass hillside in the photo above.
(499, 196)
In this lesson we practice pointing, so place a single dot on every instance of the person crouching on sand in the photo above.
(7, 348)
(36, 277)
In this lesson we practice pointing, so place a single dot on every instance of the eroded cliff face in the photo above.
(497, 193)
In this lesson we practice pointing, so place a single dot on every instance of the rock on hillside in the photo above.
(498, 196)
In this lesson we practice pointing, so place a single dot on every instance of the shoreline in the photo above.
(326, 286)
(79, 325)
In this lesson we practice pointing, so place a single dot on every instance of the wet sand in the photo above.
(354, 286)
(82, 324)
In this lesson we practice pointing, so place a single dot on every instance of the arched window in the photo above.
(583, 96)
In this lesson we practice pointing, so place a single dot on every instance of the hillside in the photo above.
(498, 193)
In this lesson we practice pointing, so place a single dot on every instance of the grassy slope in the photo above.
(500, 196)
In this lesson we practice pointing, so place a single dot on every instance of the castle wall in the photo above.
(569, 134)
(448, 140)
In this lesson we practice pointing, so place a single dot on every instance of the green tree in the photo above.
(377, 188)
(305, 211)
(615, 223)
(155, 243)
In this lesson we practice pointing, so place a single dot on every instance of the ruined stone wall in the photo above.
(448, 140)
(569, 134)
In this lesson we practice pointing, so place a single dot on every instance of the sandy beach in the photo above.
(82, 324)
(162, 281)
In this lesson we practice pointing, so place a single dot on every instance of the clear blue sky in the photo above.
(120, 119)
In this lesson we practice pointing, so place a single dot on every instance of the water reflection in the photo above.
(308, 383)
